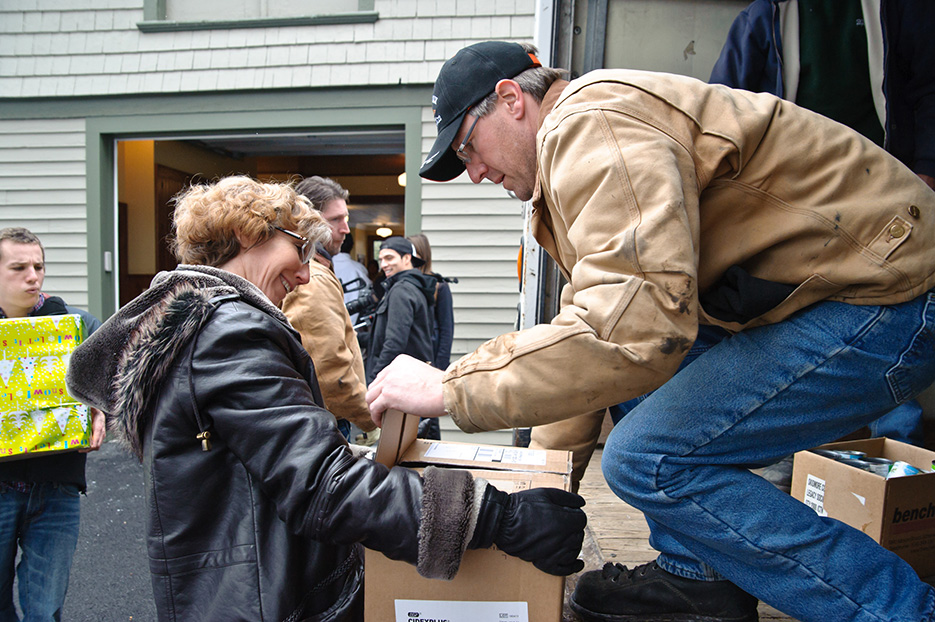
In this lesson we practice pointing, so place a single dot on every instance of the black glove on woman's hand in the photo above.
(544, 526)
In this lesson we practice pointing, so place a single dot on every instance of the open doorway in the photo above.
(369, 163)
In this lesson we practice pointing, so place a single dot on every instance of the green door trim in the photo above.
(180, 117)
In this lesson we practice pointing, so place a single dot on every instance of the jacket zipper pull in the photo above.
(205, 437)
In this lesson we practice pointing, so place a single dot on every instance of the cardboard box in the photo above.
(899, 513)
(36, 413)
(490, 584)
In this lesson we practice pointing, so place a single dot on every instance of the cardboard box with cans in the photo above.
(897, 512)
(490, 584)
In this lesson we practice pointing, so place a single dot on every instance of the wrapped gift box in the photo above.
(36, 413)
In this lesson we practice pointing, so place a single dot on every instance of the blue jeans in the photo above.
(682, 457)
(43, 523)
(344, 426)
(903, 423)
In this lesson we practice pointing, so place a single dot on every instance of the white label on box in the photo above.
(520, 455)
(815, 494)
(505, 455)
(460, 611)
(451, 452)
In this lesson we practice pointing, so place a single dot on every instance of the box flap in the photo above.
(870, 446)
(399, 445)
(397, 434)
(919, 457)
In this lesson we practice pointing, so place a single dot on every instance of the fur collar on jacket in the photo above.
(121, 367)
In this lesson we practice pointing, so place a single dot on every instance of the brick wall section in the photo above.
(51, 48)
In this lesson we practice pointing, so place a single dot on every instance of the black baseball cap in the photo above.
(464, 80)
(404, 247)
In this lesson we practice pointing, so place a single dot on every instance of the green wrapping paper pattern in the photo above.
(36, 413)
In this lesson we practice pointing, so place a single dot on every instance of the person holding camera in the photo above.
(316, 309)
(353, 276)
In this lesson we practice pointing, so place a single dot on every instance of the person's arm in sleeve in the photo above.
(317, 311)
(262, 411)
(98, 418)
(913, 48)
(753, 43)
(579, 435)
(400, 314)
(444, 315)
(627, 199)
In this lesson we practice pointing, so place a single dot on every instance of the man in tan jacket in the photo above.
(317, 311)
(802, 253)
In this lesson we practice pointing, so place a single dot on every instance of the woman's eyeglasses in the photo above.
(307, 248)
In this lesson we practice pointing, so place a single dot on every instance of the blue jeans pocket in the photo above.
(914, 371)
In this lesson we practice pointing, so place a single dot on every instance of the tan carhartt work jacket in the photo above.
(317, 311)
(650, 186)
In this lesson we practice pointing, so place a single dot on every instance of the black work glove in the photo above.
(544, 526)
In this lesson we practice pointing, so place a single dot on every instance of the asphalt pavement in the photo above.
(110, 574)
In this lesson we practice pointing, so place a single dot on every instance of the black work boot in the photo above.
(650, 594)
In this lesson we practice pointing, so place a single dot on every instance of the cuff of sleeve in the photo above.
(489, 513)
(452, 402)
(450, 506)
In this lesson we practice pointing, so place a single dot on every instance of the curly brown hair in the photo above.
(209, 217)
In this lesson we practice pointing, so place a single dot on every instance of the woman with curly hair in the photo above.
(257, 506)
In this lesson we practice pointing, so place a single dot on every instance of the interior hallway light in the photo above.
(384, 232)
(402, 179)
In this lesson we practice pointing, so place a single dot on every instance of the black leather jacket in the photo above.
(266, 524)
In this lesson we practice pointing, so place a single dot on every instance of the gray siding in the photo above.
(93, 47)
(475, 233)
(42, 188)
